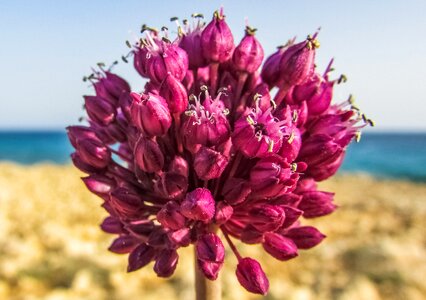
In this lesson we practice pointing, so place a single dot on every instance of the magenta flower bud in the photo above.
(110, 87)
(270, 70)
(76, 133)
(198, 205)
(150, 114)
(140, 257)
(272, 176)
(209, 164)
(320, 152)
(171, 185)
(317, 92)
(181, 237)
(141, 228)
(316, 204)
(251, 276)
(81, 165)
(251, 235)
(278, 246)
(291, 215)
(112, 225)
(175, 94)
(257, 133)
(248, 55)
(305, 237)
(210, 255)
(236, 190)
(206, 123)
(99, 110)
(170, 217)
(93, 152)
(267, 217)
(190, 41)
(148, 155)
(292, 143)
(125, 102)
(217, 41)
(166, 58)
(128, 204)
(179, 165)
(297, 62)
(99, 184)
(123, 244)
(223, 213)
(166, 262)
(140, 60)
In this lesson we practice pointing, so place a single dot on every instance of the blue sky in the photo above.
(47, 46)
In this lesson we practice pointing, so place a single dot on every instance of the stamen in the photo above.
(250, 120)
(295, 116)
(291, 137)
(270, 146)
(128, 44)
(293, 167)
(358, 136)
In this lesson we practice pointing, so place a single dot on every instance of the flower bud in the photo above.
(99, 184)
(272, 176)
(248, 55)
(166, 263)
(148, 155)
(110, 87)
(223, 212)
(123, 244)
(317, 92)
(217, 41)
(278, 246)
(210, 255)
(76, 133)
(297, 62)
(305, 237)
(175, 94)
(251, 276)
(128, 204)
(170, 217)
(316, 203)
(236, 190)
(260, 96)
(112, 225)
(81, 165)
(209, 164)
(179, 165)
(140, 257)
(267, 217)
(181, 237)
(99, 110)
(251, 235)
(140, 60)
(93, 152)
(141, 228)
(150, 114)
(125, 102)
(191, 43)
(168, 58)
(320, 152)
(198, 205)
(171, 185)
(270, 70)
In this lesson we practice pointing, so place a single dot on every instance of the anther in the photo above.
(291, 137)
(172, 19)
(293, 167)
(250, 120)
(270, 146)
(128, 44)
(342, 78)
(123, 58)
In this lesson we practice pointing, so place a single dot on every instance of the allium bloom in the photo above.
(207, 153)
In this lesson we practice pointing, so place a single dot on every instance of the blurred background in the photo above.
(51, 246)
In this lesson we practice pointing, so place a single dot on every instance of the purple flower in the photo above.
(251, 276)
(207, 151)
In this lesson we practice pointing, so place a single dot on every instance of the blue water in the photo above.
(394, 155)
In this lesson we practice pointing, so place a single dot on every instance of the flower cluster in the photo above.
(214, 148)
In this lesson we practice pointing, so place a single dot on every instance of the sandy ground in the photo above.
(52, 248)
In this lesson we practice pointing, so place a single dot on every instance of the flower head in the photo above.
(207, 152)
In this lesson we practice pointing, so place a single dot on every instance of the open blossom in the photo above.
(208, 152)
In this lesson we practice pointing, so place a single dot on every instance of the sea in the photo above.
(385, 155)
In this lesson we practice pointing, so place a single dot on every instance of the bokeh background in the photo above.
(50, 243)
